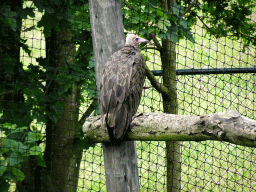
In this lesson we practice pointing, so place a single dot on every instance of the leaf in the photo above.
(10, 16)
(2, 167)
(136, 20)
(7, 145)
(174, 37)
(36, 150)
(161, 26)
(9, 174)
(27, 12)
(177, 9)
(17, 130)
(150, 29)
(40, 160)
(13, 145)
(33, 136)
(190, 36)
(9, 126)
(6, 11)
(25, 47)
(162, 35)
(14, 159)
(184, 24)
(18, 173)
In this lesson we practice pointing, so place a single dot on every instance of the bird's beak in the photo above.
(141, 40)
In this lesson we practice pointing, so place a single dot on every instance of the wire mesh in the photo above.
(206, 165)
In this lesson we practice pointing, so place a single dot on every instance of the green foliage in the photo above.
(230, 19)
(58, 15)
(148, 17)
(9, 25)
(27, 85)
(9, 17)
(74, 16)
(12, 73)
(18, 144)
(221, 18)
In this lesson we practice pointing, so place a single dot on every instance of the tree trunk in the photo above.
(120, 161)
(170, 105)
(62, 154)
(168, 58)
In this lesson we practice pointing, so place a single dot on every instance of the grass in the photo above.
(208, 165)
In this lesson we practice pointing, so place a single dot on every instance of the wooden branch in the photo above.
(228, 126)
(189, 8)
(206, 25)
(157, 43)
(88, 112)
(154, 82)
(155, 48)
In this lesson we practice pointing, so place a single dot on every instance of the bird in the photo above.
(121, 87)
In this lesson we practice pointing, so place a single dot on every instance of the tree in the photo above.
(51, 91)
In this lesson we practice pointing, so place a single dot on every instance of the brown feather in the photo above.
(120, 89)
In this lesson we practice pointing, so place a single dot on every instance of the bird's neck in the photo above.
(132, 46)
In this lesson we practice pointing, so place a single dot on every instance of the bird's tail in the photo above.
(121, 124)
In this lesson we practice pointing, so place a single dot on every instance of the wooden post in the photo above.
(120, 161)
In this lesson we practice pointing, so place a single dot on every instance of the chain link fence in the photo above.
(212, 86)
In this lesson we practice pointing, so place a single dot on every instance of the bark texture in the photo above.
(228, 126)
(62, 154)
(170, 105)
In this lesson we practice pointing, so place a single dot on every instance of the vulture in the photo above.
(121, 87)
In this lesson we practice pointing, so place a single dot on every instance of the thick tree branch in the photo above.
(154, 82)
(88, 112)
(229, 126)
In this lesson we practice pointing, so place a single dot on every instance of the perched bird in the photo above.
(121, 87)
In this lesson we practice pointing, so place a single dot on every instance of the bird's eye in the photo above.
(137, 39)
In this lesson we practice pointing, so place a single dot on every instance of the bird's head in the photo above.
(133, 40)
